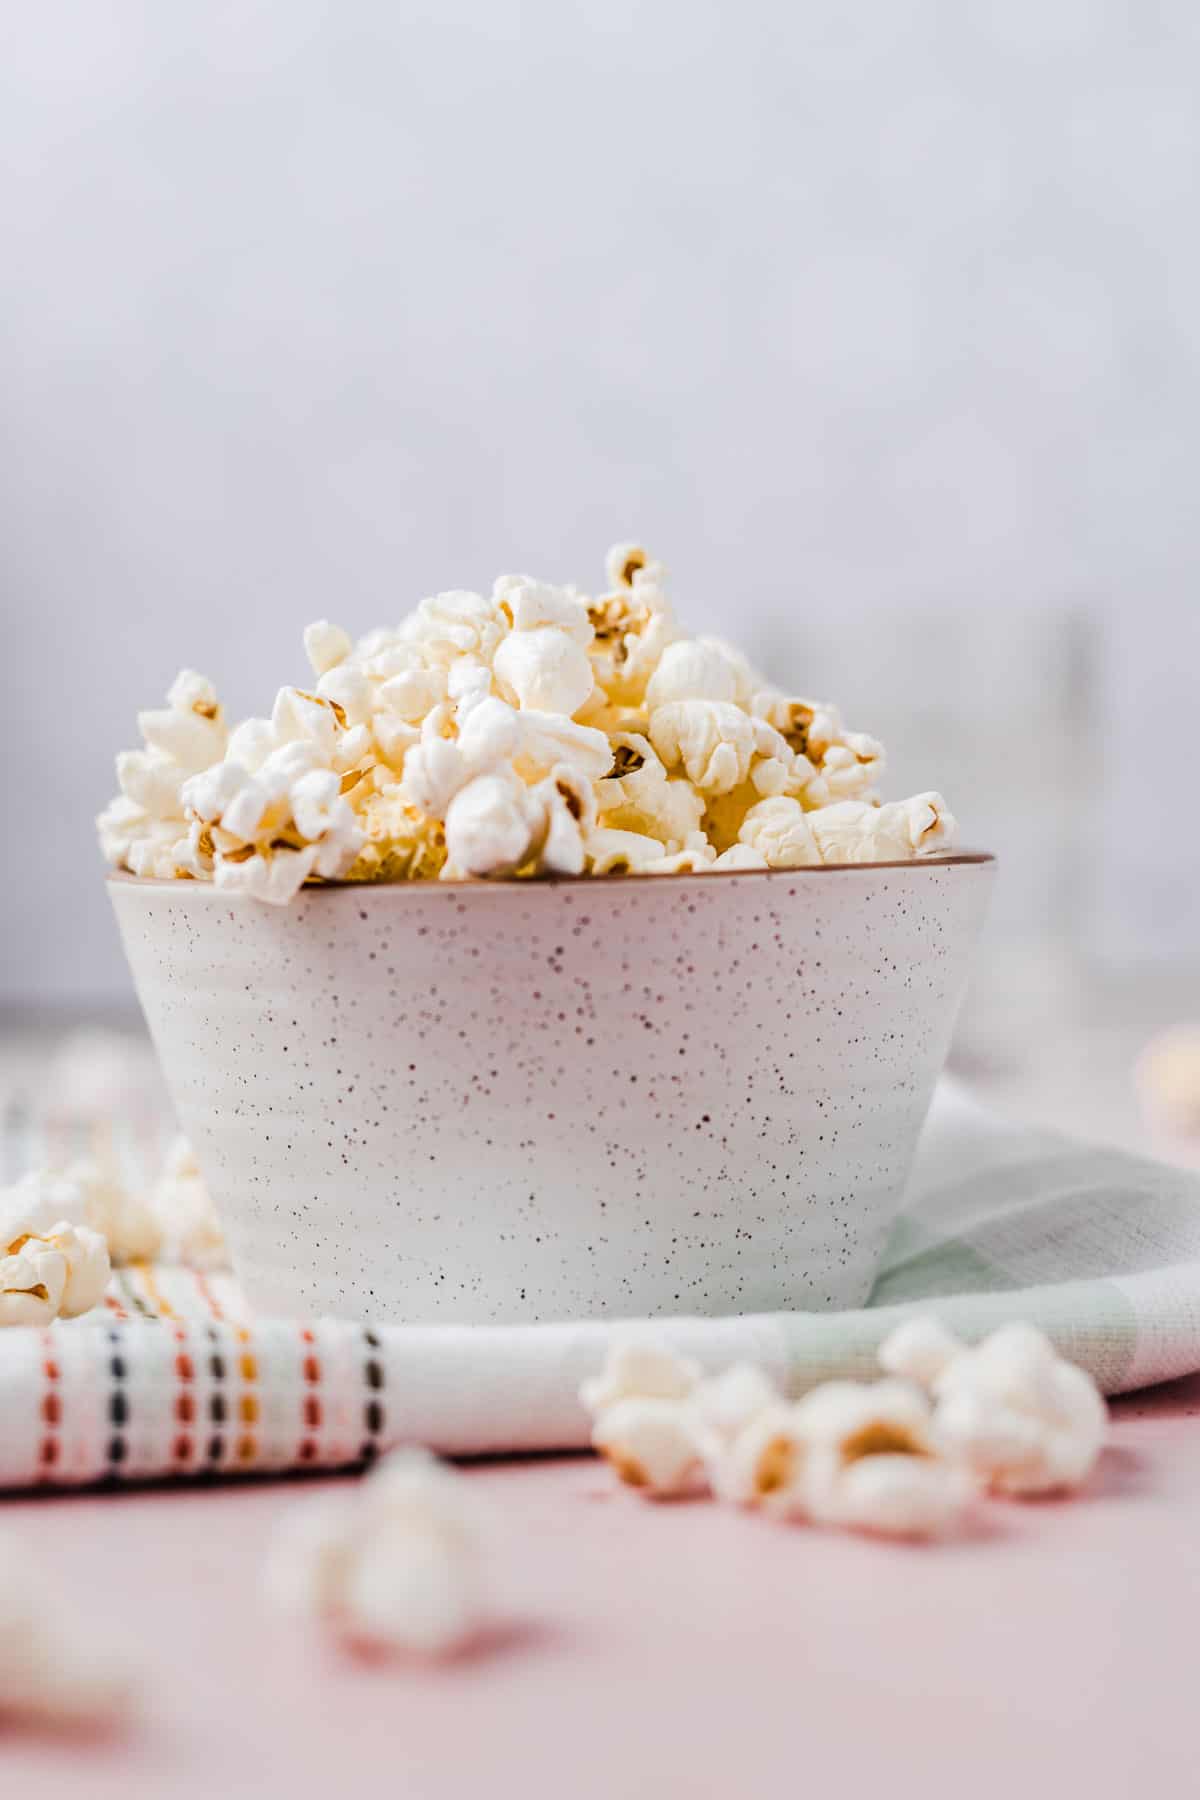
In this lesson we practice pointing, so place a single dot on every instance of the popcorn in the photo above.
(888, 1424)
(765, 1464)
(51, 1671)
(184, 1213)
(631, 629)
(544, 669)
(880, 1457)
(612, 852)
(853, 832)
(651, 1443)
(61, 1271)
(326, 646)
(712, 739)
(144, 829)
(532, 731)
(849, 770)
(624, 563)
(636, 794)
(919, 1349)
(33, 1278)
(1168, 1076)
(781, 833)
(725, 1404)
(493, 826)
(639, 1371)
(396, 1566)
(570, 811)
(808, 727)
(737, 1417)
(401, 842)
(696, 856)
(86, 1192)
(456, 624)
(533, 605)
(740, 856)
(692, 669)
(268, 832)
(904, 1497)
(1023, 1419)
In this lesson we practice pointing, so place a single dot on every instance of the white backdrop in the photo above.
(880, 322)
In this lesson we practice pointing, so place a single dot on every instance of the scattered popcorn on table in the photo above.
(394, 1565)
(535, 731)
(904, 1457)
(51, 1673)
(1020, 1416)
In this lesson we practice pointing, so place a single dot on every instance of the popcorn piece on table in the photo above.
(643, 1425)
(1020, 1416)
(753, 1452)
(51, 1672)
(865, 1442)
(396, 1565)
(652, 1444)
(765, 1464)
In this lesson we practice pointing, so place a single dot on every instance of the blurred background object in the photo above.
(881, 324)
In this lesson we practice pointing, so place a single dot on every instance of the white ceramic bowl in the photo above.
(624, 1096)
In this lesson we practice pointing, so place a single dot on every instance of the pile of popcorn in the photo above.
(906, 1456)
(534, 731)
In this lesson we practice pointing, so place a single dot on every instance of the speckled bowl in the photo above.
(459, 1103)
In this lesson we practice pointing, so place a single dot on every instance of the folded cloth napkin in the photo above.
(175, 1376)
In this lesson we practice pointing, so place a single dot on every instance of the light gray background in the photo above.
(879, 321)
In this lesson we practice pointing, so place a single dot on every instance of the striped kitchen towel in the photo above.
(175, 1377)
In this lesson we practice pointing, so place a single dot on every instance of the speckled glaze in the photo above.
(453, 1103)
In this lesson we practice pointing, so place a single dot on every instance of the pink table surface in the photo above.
(667, 1650)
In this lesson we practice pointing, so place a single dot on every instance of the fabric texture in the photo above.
(175, 1377)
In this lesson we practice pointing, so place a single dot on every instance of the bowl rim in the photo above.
(121, 878)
